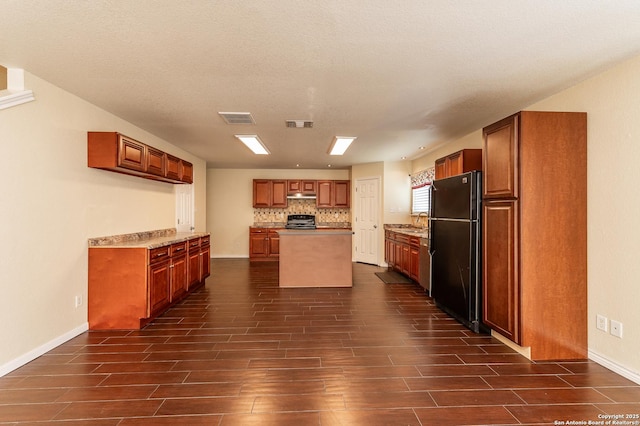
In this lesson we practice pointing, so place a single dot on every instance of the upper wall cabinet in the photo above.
(269, 193)
(459, 162)
(329, 193)
(333, 193)
(119, 153)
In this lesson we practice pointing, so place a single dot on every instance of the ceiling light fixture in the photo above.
(340, 144)
(254, 143)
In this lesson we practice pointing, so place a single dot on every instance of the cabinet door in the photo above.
(325, 193)
(178, 276)
(441, 168)
(131, 154)
(279, 193)
(274, 244)
(406, 259)
(308, 186)
(155, 162)
(258, 244)
(186, 171)
(294, 186)
(205, 262)
(194, 267)
(454, 164)
(414, 263)
(501, 289)
(341, 192)
(159, 286)
(173, 167)
(261, 193)
(500, 177)
(397, 249)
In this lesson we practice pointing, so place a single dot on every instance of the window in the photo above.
(420, 190)
(421, 199)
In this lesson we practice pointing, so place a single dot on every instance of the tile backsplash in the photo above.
(323, 216)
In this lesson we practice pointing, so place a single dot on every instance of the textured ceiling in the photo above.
(399, 75)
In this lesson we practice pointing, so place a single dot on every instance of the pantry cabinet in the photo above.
(459, 162)
(534, 232)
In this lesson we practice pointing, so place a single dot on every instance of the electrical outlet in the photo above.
(601, 322)
(616, 328)
(78, 301)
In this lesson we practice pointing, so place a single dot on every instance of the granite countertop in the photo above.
(147, 239)
(408, 230)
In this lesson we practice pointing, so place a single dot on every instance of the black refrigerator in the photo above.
(455, 232)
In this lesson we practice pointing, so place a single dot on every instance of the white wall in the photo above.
(230, 203)
(52, 203)
(613, 229)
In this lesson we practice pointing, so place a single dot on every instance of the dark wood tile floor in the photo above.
(241, 351)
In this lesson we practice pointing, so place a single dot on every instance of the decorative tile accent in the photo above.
(324, 217)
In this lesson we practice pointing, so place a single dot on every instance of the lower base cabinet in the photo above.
(129, 287)
(402, 254)
(264, 243)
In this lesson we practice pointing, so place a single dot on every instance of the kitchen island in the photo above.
(315, 258)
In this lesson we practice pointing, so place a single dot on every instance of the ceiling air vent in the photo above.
(299, 124)
(237, 117)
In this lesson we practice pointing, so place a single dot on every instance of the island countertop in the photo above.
(318, 232)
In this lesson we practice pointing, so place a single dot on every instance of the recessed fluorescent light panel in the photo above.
(340, 144)
(254, 143)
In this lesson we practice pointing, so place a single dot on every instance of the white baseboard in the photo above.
(634, 376)
(41, 350)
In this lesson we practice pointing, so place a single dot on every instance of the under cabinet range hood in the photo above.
(301, 196)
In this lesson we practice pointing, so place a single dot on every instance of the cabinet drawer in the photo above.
(178, 248)
(414, 241)
(158, 254)
(205, 241)
(194, 244)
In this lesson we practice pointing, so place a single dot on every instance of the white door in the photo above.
(367, 227)
(185, 221)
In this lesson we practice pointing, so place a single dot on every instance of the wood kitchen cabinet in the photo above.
(179, 267)
(304, 187)
(130, 286)
(459, 162)
(534, 232)
(269, 193)
(264, 243)
(119, 153)
(199, 261)
(333, 194)
(402, 254)
(159, 280)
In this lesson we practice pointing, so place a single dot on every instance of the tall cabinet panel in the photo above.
(535, 252)
(501, 294)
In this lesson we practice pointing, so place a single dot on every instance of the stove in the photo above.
(301, 221)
